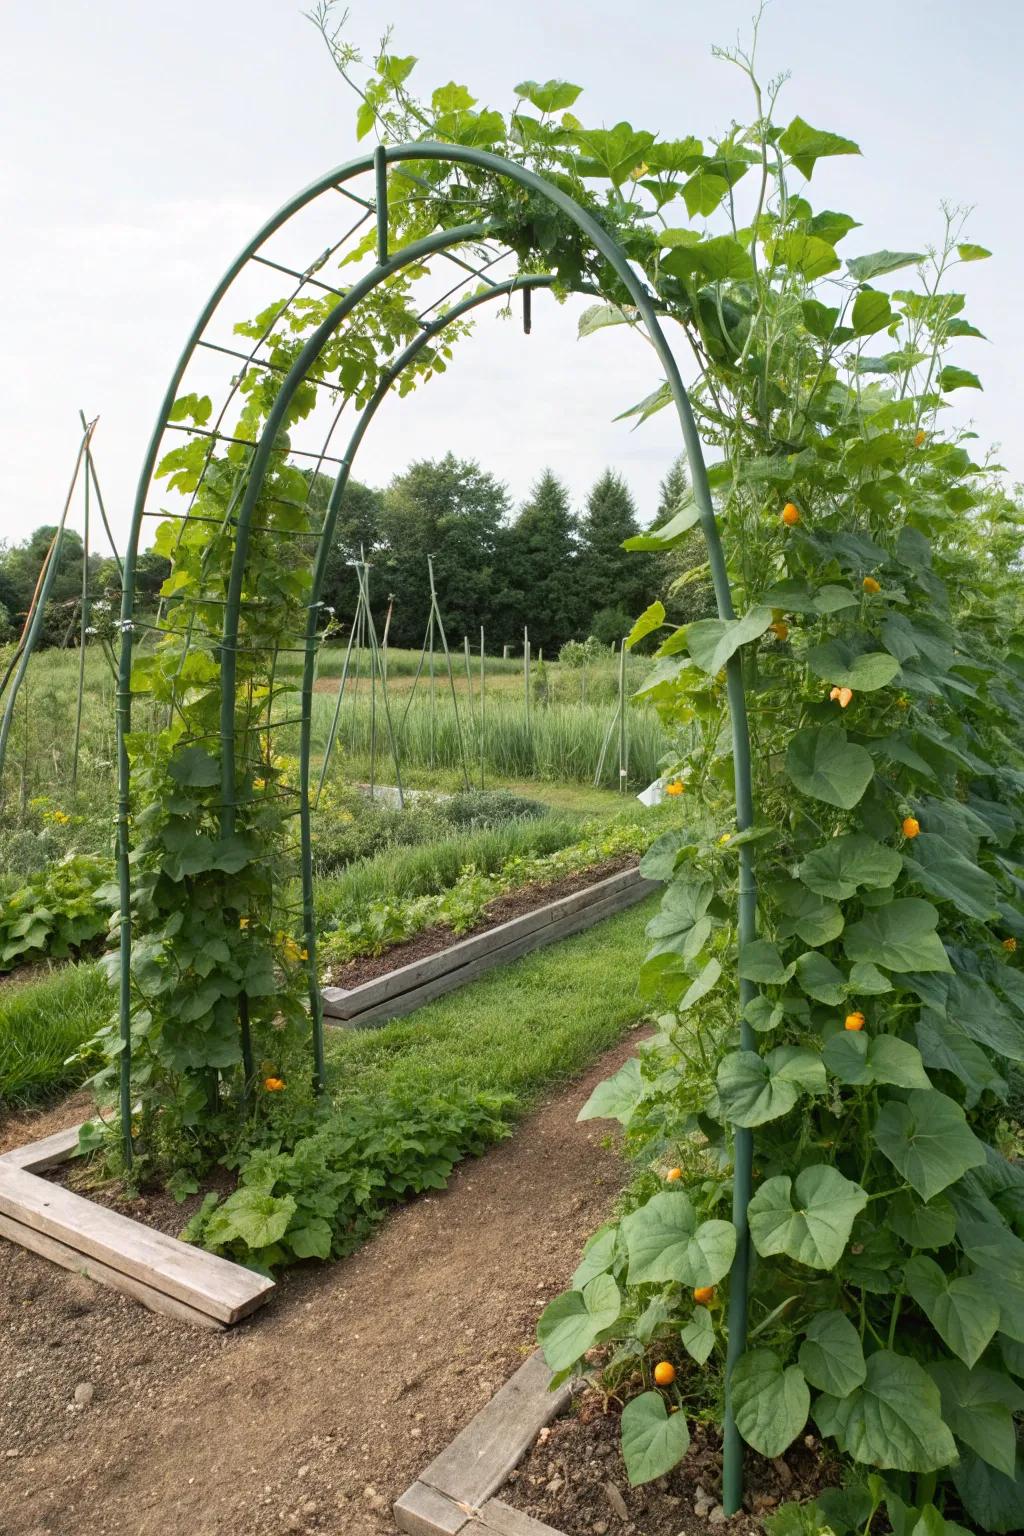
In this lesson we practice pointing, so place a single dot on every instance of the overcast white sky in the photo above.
(143, 144)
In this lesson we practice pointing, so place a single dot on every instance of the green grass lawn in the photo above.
(41, 1023)
(518, 1030)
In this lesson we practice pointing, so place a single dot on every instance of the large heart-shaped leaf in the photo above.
(992, 1500)
(820, 979)
(598, 1256)
(760, 961)
(771, 1403)
(831, 1356)
(962, 1309)
(617, 1097)
(894, 1420)
(653, 1440)
(859, 1058)
(899, 937)
(979, 1405)
(755, 1089)
(571, 1324)
(665, 1243)
(824, 765)
(841, 866)
(948, 875)
(809, 1221)
(835, 663)
(713, 641)
(927, 1140)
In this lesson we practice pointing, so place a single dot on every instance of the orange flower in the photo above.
(790, 514)
(780, 629)
(674, 787)
(854, 1020)
(871, 585)
(919, 438)
(1010, 945)
(677, 1173)
(703, 1294)
(664, 1373)
(273, 1084)
(911, 826)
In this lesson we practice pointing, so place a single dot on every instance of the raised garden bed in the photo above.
(162, 1272)
(433, 963)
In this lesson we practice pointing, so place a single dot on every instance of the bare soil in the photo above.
(317, 1412)
(431, 941)
(573, 1478)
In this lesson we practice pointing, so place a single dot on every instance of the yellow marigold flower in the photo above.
(871, 585)
(1010, 945)
(273, 1084)
(674, 787)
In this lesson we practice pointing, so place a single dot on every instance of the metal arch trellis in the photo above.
(387, 265)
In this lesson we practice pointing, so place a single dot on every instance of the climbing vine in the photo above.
(874, 563)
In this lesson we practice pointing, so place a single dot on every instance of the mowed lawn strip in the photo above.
(519, 1030)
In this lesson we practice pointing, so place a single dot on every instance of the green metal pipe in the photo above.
(380, 177)
(83, 627)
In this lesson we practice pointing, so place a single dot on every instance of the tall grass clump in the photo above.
(42, 1023)
(557, 741)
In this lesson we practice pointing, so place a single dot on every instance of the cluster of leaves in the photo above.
(878, 649)
(373, 927)
(57, 911)
(322, 1197)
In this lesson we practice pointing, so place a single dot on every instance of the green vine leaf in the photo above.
(572, 1323)
(839, 868)
(894, 1421)
(961, 1308)
(831, 1356)
(825, 765)
(898, 937)
(927, 1140)
(754, 1089)
(771, 1402)
(665, 1242)
(859, 1059)
(653, 1440)
(809, 1220)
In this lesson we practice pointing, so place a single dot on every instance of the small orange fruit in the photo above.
(1010, 945)
(919, 438)
(664, 1373)
(703, 1294)
(273, 1084)
(871, 585)
(911, 826)
(835, 693)
(845, 695)
(673, 1174)
(854, 1020)
(674, 787)
(790, 514)
(779, 629)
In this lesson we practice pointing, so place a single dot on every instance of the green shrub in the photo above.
(475, 808)
(322, 1198)
(56, 911)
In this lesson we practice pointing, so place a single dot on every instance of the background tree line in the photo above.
(561, 573)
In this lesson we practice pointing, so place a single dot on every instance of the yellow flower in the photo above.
(244, 922)
(674, 787)
(1010, 945)
(726, 837)
(871, 585)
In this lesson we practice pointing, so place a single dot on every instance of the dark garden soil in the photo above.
(573, 1478)
(431, 941)
(317, 1412)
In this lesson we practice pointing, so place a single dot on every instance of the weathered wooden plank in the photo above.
(212, 1285)
(481, 1456)
(503, 1520)
(47, 1153)
(564, 927)
(346, 1002)
(422, 1511)
(81, 1264)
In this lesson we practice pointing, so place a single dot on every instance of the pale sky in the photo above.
(144, 144)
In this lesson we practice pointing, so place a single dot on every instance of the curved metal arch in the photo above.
(606, 245)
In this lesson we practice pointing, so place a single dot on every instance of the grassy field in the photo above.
(519, 1030)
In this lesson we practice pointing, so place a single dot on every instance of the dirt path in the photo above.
(317, 1413)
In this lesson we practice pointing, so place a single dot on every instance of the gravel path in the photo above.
(314, 1415)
